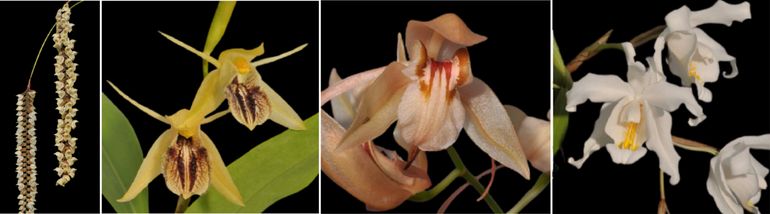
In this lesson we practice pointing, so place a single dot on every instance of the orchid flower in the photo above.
(185, 155)
(251, 100)
(633, 113)
(736, 179)
(374, 175)
(434, 95)
(693, 55)
(535, 137)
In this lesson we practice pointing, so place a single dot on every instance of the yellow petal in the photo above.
(220, 177)
(356, 171)
(488, 125)
(282, 113)
(210, 95)
(144, 109)
(276, 58)
(191, 49)
(378, 107)
(150, 167)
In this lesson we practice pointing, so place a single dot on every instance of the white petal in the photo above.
(488, 125)
(597, 88)
(721, 13)
(679, 19)
(616, 128)
(598, 137)
(704, 93)
(659, 141)
(706, 66)
(668, 97)
(625, 156)
(718, 189)
(717, 51)
(657, 56)
(681, 47)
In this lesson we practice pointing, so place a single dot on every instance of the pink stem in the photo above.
(457, 192)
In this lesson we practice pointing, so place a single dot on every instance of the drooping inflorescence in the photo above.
(65, 72)
(26, 169)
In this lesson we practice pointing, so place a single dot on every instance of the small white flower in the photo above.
(736, 179)
(693, 56)
(634, 112)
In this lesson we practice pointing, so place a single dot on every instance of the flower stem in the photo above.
(427, 195)
(693, 145)
(182, 204)
(540, 185)
(472, 180)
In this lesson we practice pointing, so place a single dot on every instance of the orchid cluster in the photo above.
(635, 116)
(184, 154)
(431, 96)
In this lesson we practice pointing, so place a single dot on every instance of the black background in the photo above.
(165, 77)
(514, 62)
(26, 24)
(740, 107)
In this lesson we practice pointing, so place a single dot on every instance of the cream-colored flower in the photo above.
(693, 55)
(26, 150)
(736, 179)
(635, 114)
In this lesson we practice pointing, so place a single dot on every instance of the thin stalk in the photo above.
(472, 180)
(694, 145)
(182, 204)
(540, 185)
(45, 40)
(427, 195)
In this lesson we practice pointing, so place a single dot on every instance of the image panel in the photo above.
(406, 121)
(53, 81)
(210, 107)
(659, 116)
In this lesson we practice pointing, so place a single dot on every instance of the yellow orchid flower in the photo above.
(185, 156)
(251, 101)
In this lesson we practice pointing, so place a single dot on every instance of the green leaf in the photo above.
(217, 29)
(276, 168)
(121, 157)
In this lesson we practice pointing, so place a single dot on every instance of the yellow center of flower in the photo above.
(242, 65)
(692, 71)
(630, 141)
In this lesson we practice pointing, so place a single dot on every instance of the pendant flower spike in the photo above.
(693, 55)
(251, 101)
(736, 178)
(185, 155)
(433, 96)
(634, 113)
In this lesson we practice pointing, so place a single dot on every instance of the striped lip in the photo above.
(186, 167)
(248, 103)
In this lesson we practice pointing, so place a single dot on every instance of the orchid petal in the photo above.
(281, 112)
(378, 107)
(193, 50)
(443, 36)
(355, 170)
(721, 13)
(136, 104)
(151, 165)
(400, 50)
(431, 123)
(220, 177)
(185, 167)
(717, 51)
(209, 96)
(535, 137)
(488, 125)
(215, 116)
(597, 88)
(625, 156)
(599, 137)
(659, 141)
(268, 60)
(657, 56)
(342, 106)
(668, 96)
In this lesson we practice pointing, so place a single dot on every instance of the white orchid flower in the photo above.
(433, 96)
(693, 55)
(635, 112)
(736, 179)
